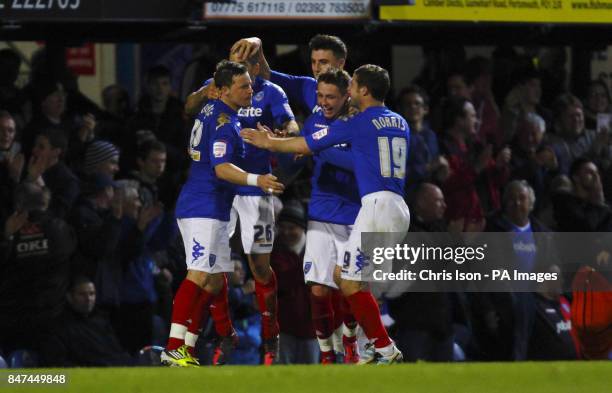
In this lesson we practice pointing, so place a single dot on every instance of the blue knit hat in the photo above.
(97, 152)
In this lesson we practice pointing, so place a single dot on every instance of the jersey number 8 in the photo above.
(396, 155)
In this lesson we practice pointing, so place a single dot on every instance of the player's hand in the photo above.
(245, 48)
(269, 184)
(15, 222)
(212, 92)
(259, 138)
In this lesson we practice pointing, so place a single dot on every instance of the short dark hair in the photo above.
(226, 70)
(145, 148)
(77, 280)
(158, 71)
(328, 42)
(57, 138)
(4, 113)
(413, 89)
(453, 108)
(375, 78)
(336, 77)
(563, 102)
(577, 166)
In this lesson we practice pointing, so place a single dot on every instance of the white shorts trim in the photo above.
(206, 244)
(256, 214)
(325, 244)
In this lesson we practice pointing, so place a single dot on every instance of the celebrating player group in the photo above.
(359, 150)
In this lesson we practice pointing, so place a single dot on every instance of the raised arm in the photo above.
(246, 48)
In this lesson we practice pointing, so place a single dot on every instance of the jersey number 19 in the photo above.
(392, 158)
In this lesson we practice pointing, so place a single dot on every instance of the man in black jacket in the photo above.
(83, 337)
(35, 252)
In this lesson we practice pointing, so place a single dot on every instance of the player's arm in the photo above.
(195, 100)
(338, 157)
(233, 174)
(245, 48)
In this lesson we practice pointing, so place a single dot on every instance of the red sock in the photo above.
(219, 310)
(266, 300)
(182, 309)
(366, 311)
(322, 315)
(199, 316)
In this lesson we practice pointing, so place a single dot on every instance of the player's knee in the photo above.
(197, 277)
(319, 290)
(214, 283)
(349, 287)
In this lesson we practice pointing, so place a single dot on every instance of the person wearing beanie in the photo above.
(101, 157)
(298, 344)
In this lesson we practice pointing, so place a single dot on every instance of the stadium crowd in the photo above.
(91, 256)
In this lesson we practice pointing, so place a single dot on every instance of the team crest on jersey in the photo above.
(319, 134)
(259, 96)
(222, 120)
(307, 266)
(212, 259)
(194, 154)
(219, 149)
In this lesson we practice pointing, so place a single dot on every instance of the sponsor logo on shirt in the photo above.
(250, 112)
(319, 134)
(219, 149)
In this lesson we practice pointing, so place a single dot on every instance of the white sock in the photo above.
(325, 344)
(178, 331)
(191, 339)
(337, 340)
(349, 332)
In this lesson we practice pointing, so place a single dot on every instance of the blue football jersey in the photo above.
(215, 139)
(379, 146)
(302, 90)
(335, 195)
(271, 108)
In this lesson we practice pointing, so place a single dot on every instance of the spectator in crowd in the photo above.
(297, 338)
(35, 252)
(51, 96)
(503, 320)
(572, 140)
(533, 160)
(424, 320)
(46, 164)
(424, 160)
(551, 336)
(597, 101)
(245, 316)
(472, 167)
(584, 209)
(524, 98)
(12, 98)
(148, 231)
(112, 121)
(11, 162)
(478, 76)
(101, 157)
(83, 336)
(161, 113)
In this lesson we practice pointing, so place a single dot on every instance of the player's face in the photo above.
(7, 132)
(83, 298)
(240, 94)
(154, 165)
(330, 99)
(323, 59)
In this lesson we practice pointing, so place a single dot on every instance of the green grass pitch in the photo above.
(554, 377)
